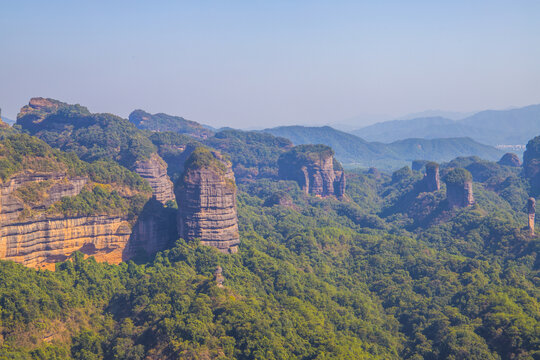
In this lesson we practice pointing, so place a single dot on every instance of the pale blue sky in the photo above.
(266, 63)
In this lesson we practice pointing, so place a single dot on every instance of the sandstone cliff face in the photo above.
(33, 237)
(206, 197)
(38, 108)
(459, 190)
(315, 170)
(531, 211)
(42, 240)
(510, 159)
(154, 170)
(432, 179)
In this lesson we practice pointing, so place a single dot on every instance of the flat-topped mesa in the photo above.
(459, 190)
(315, 170)
(206, 197)
(432, 179)
(154, 170)
(37, 109)
(510, 159)
(531, 210)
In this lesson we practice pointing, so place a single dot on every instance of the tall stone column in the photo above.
(432, 178)
(531, 209)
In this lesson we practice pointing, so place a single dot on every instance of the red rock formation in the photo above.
(531, 210)
(154, 170)
(315, 170)
(510, 159)
(432, 179)
(459, 190)
(206, 197)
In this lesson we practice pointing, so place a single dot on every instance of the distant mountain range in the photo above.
(493, 127)
(354, 151)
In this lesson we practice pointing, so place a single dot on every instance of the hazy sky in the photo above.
(265, 63)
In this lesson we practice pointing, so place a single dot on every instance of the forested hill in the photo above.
(436, 263)
(353, 151)
(163, 122)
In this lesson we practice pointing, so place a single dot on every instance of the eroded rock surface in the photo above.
(432, 179)
(531, 211)
(206, 197)
(154, 170)
(510, 159)
(459, 189)
(315, 170)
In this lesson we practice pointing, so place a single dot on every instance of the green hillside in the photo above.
(91, 136)
(353, 151)
(164, 122)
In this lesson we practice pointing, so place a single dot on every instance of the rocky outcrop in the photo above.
(510, 159)
(154, 169)
(459, 190)
(531, 210)
(432, 179)
(37, 109)
(218, 274)
(280, 198)
(315, 170)
(531, 164)
(33, 236)
(42, 239)
(206, 197)
(43, 242)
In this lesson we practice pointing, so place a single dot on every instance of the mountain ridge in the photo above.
(354, 151)
(492, 127)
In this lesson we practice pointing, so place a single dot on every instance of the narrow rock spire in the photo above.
(531, 209)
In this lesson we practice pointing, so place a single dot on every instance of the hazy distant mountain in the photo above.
(494, 127)
(453, 115)
(354, 151)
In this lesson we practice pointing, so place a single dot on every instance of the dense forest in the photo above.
(389, 272)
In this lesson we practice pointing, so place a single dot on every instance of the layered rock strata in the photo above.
(154, 170)
(30, 235)
(459, 190)
(531, 210)
(315, 170)
(42, 240)
(206, 197)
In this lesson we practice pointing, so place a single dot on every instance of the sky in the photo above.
(256, 64)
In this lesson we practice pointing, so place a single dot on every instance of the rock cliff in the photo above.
(35, 238)
(154, 170)
(531, 164)
(52, 204)
(531, 210)
(206, 197)
(459, 190)
(432, 179)
(510, 159)
(315, 170)
(37, 109)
